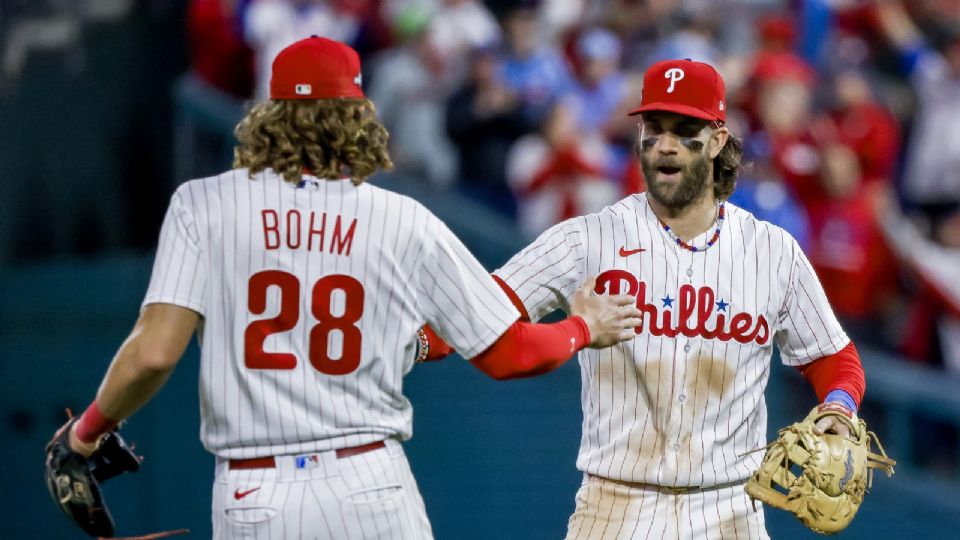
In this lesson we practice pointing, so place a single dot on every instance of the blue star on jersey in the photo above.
(722, 306)
(667, 301)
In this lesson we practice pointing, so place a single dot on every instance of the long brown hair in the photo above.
(329, 138)
(726, 167)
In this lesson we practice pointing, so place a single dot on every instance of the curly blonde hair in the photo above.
(329, 138)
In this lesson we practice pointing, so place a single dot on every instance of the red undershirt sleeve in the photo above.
(840, 371)
(527, 349)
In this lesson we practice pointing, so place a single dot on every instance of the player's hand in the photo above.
(610, 318)
(831, 424)
(80, 447)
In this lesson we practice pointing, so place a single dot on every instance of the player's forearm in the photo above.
(128, 385)
(140, 368)
(131, 382)
(840, 371)
(526, 349)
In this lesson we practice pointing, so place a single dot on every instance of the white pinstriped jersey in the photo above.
(679, 404)
(311, 297)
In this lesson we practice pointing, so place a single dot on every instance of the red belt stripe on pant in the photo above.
(269, 462)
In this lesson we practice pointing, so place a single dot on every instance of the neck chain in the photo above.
(689, 247)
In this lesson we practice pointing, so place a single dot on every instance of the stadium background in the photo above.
(99, 123)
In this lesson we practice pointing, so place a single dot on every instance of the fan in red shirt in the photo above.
(859, 142)
(833, 166)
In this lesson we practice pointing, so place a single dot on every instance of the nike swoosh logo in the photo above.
(624, 252)
(241, 494)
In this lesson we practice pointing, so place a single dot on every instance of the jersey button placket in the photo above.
(686, 263)
(680, 360)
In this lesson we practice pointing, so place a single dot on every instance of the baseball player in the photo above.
(669, 417)
(306, 288)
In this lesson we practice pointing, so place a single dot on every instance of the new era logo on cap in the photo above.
(316, 68)
(683, 87)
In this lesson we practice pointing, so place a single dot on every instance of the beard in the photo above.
(692, 183)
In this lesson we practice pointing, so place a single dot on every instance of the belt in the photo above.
(269, 462)
(675, 490)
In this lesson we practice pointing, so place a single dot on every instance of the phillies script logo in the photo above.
(675, 75)
(696, 308)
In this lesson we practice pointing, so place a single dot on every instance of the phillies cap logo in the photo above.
(675, 75)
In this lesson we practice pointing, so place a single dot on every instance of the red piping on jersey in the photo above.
(528, 349)
(840, 371)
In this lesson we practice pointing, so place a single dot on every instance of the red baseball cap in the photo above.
(684, 87)
(316, 68)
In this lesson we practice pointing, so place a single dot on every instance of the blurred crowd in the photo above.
(849, 112)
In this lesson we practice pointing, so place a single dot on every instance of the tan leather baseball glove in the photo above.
(820, 478)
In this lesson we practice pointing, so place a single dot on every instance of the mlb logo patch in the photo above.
(308, 461)
(303, 89)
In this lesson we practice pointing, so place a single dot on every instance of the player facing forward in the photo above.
(670, 416)
(306, 287)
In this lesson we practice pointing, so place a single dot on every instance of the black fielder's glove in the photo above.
(74, 480)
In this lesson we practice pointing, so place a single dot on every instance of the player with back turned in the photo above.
(670, 417)
(307, 287)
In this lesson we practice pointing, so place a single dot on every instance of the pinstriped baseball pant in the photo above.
(609, 510)
(367, 496)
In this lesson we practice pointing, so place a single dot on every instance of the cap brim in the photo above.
(320, 93)
(685, 110)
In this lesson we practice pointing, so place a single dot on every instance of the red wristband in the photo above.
(93, 424)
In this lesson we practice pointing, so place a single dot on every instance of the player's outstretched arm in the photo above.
(527, 349)
(143, 363)
(433, 347)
